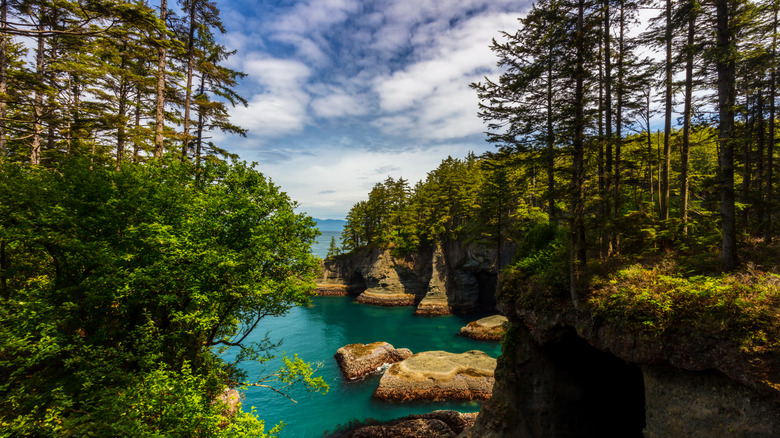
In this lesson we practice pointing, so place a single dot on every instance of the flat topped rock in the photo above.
(490, 328)
(358, 360)
(437, 424)
(439, 375)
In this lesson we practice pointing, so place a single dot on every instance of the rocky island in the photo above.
(439, 375)
(490, 328)
(358, 360)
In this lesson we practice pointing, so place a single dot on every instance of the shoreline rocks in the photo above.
(358, 360)
(333, 290)
(437, 424)
(491, 328)
(439, 375)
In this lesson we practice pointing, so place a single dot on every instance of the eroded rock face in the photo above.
(376, 277)
(358, 360)
(439, 375)
(490, 328)
(436, 301)
(449, 278)
(705, 404)
(563, 374)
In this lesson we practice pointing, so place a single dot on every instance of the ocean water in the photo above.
(315, 333)
(321, 245)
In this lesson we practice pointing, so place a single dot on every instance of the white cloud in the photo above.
(339, 104)
(432, 97)
(280, 107)
(345, 176)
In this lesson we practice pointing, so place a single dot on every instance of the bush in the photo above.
(742, 307)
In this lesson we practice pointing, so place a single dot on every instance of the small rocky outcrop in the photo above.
(358, 360)
(437, 424)
(490, 328)
(439, 375)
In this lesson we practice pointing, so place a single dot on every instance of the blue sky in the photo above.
(343, 93)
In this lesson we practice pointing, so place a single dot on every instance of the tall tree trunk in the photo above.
(121, 133)
(726, 72)
(550, 144)
(760, 143)
(649, 153)
(619, 123)
(687, 113)
(188, 90)
(137, 124)
(603, 253)
(607, 250)
(199, 138)
(578, 255)
(35, 149)
(770, 144)
(159, 122)
(667, 115)
(3, 76)
(747, 157)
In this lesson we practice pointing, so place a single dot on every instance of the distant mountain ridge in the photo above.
(330, 224)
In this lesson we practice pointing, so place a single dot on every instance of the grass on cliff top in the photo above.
(658, 300)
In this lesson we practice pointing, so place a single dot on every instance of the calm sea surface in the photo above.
(316, 333)
(320, 247)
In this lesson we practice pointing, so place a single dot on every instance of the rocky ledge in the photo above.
(491, 328)
(358, 360)
(437, 424)
(335, 290)
(386, 299)
(439, 375)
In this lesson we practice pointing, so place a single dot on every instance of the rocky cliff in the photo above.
(449, 278)
(564, 373)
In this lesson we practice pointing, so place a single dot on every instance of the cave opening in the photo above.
(596, 394)
(357, 284)
(486, 285)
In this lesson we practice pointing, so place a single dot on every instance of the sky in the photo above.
(344, 93)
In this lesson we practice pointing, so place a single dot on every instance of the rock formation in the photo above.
(490, 328)
(564, 374)
(437, 424)
(439, 375)
(449, 278)
(358, 360)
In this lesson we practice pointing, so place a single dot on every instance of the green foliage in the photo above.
(120, 288)
(539, 274)
(741, 307)
(474, 199)
(333, 249)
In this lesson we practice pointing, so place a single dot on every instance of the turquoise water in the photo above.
(316, 333)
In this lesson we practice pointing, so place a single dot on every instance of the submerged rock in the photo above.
(358, 360)
(490, 328)
(439, 375)
(437, 424)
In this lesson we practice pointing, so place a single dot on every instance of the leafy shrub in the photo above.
(744, 307)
